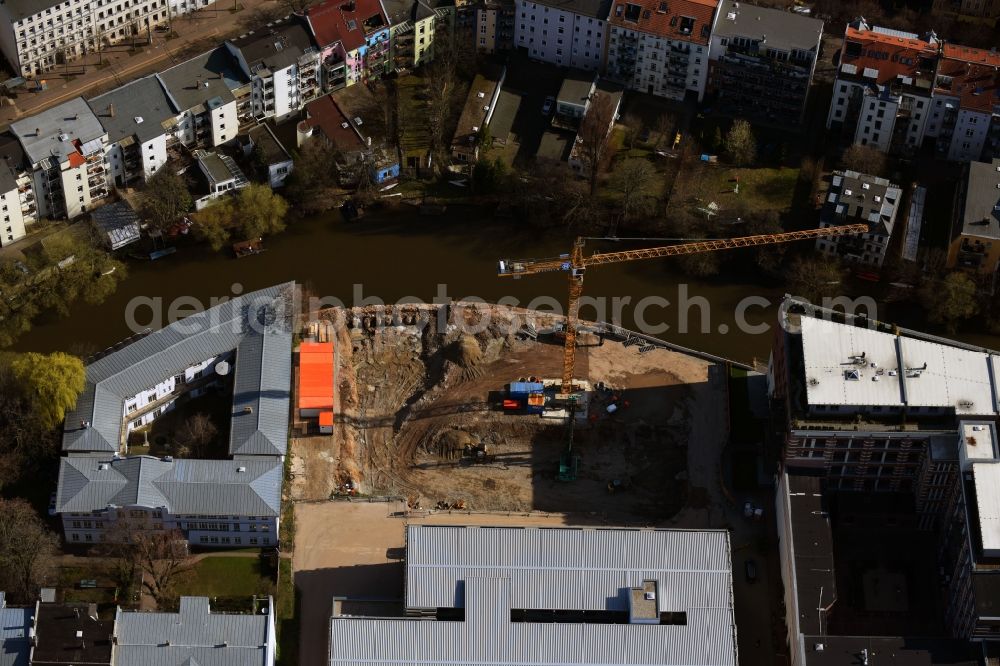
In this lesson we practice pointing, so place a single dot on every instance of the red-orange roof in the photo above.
(970, 74)
(76, 160)
(326, 418)
(687, 20)
(327, 117)
(892, 55)
(315, 375)
(346, 21)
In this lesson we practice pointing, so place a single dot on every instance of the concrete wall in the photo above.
(12, 224)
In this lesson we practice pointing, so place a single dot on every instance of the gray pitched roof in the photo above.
(981, 207)
(194, 636)
(183, 487)
(860, 197)
(205, 77)
(53, 132)
(277, 46)
(257, 323)
(135, 109)
(14, 625)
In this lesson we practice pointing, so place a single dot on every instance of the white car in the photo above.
(547, 107)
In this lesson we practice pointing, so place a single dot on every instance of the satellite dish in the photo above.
(222, 368)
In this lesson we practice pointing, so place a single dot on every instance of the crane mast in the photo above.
(576, 264)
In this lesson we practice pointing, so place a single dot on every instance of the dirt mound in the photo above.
(467, 352)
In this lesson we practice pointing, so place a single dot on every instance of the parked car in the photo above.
(547, 107)
(750, 569)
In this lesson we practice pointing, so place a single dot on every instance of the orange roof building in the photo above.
(316, 377)
(966, 121)
(673, 36)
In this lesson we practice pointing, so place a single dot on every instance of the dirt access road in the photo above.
(344, 549)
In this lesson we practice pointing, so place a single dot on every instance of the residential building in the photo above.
(969, 9)
(270, 153)
(975, 225)
(478, 112)
(15, 163)
(65, 148)
(222, 175)
(247, 338)
(574, 97)
(578, 160)
(195, 634)
(325, 120)
(860, 198)
(37, 35)
(661, 47)
(966, 111)
(203, 90)
(571, 33)
(882, 92)
(117, 224)
(762, 62)
(353, 38)
(494, 26)
(135, 116)
(537, 595)
(15, 630)
(69, 635)
(281, 62)
(414, 27)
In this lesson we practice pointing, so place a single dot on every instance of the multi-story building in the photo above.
(661, 47)
(529, 595)
(975, 225)
(353, 38)
(494, 26)
(882, 92)
(133, 115)
(17, 196)
(860, 198)
(762, 62)
(213, 502)
(203, 90)
(571, 33)
(966, 112)
(65, 148)
(414, 27)
(38, 35)
(281, 62)
(986, 9)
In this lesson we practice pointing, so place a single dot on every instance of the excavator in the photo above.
(575, 264)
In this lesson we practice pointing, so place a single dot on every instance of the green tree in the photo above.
(213, 224)
(166, 199)
(49, 383)
(740, 143)
(951, 300)
(260, 212)
(633, 180)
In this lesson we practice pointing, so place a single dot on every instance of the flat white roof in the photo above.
(850, 365)
(838, 363)
(953, 377)
(987, 480)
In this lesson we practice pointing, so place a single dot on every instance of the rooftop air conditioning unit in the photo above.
(241, 469)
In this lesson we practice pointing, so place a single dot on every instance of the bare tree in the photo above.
(194, 435)
(664, 126)
(633, 128)
(27, 550)
(633, 180)
(157, 556)
(595, 136)
(865, 159)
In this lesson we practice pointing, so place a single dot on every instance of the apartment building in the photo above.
(232, 502)
(65, 150)
(135, 116)
(37, 35)
(414, 27)
(494, 26)
(204, 91)
(965, 120)
(860, 198)
(762, 62)
(975, 225)
(17, 196)
(570, 33)
(661, 47)
(544, 595)
(882, 93)
(353, 38)
(281, 62)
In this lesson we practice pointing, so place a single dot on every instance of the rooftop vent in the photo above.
(103, 466)
(63, 136)
(357, 120)
(481, 95)
(345, 125)
(138, 120)
(248, 410)
(866, 186)
(241, 469)
(79, 634)
(820, 647)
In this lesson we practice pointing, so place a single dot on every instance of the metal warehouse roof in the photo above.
(849, 365)
(244, 487)
(194, 635)
(14, 626)
(492, 571)
(257, 325)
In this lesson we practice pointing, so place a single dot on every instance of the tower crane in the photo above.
(576, 265)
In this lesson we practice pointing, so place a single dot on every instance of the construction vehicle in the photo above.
(576, 265)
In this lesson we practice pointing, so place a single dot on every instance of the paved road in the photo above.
(197, 32)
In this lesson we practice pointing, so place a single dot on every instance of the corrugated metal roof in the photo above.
(490, 571)
(193, 635)
(240, 323)
(183, 487)
(14, 625)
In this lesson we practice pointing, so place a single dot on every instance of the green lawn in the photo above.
(760, 189)
(105, 594)
(225, 577)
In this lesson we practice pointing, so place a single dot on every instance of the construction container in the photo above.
(521, 390)
(511, 405)
(326, 422)
(536, 403)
